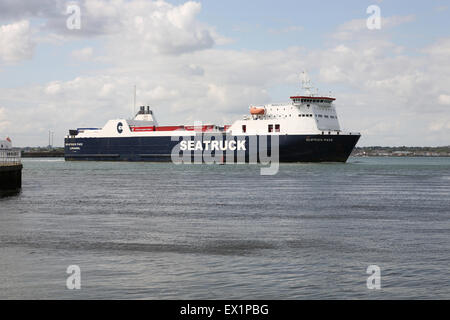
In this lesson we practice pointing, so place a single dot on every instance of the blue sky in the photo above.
(318, 18)
(208, 60)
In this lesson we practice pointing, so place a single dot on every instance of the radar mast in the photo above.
(306, 84)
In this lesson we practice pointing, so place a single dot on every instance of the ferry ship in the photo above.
(307, 130)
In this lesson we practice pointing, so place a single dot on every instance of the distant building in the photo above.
(401, 153)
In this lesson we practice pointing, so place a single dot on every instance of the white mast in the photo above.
(306, 83)
(134, 104)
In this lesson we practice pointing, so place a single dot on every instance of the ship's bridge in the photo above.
(322, 101)
(300, 107)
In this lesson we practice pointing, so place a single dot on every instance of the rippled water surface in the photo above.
(162, 231)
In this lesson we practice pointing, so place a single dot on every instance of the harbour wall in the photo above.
(10, 177)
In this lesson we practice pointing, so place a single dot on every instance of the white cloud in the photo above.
(440, 49)
(53, 88)
(83, 54)
(159, 27)
(4, 123)
(444, 99)
(357, 28)
(140, 25)
(15, 42)
(441, 125)
(106, 90)
(146, 26)
(20, 9)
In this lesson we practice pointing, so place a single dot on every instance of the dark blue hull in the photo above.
(292, 148)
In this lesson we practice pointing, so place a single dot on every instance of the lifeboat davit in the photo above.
(257, 111)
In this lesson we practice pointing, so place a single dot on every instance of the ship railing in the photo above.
(10, 157)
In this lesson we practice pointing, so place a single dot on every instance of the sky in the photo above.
(210, 60)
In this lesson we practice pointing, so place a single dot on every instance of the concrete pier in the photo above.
(10, 177)
(10, 172)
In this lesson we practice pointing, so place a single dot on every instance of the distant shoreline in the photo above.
(401, 151)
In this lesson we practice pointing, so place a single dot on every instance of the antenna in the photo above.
(134, 104)
(306, 83)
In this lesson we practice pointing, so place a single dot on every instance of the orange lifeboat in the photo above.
(257, 111)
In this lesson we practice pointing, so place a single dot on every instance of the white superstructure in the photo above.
(304, 114)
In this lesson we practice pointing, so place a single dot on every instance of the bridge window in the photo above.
(270, 127)
(244, 128)
(277, 128)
